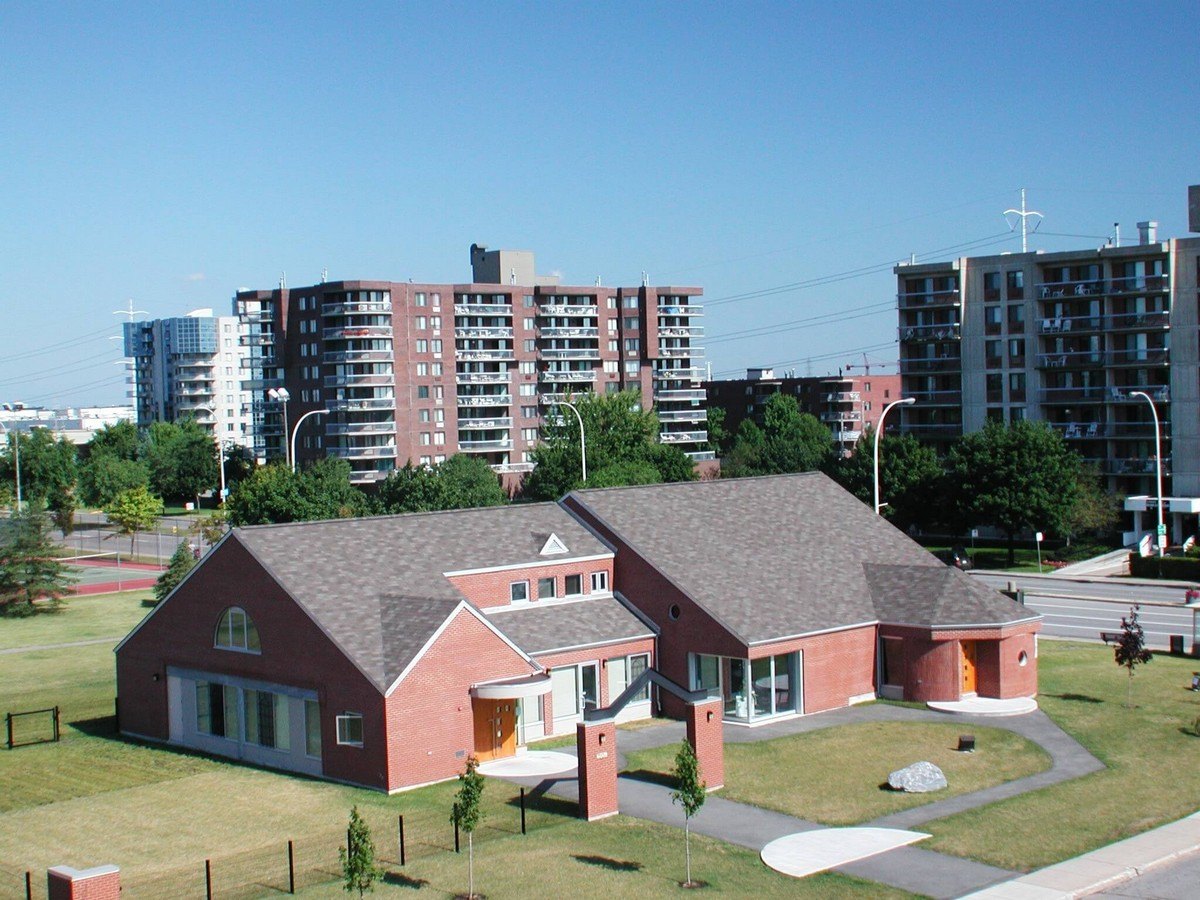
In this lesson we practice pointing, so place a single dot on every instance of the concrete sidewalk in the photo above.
(1104, 868)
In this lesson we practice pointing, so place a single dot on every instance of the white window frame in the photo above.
(248, 627)
(600, 582)
(346, 719)
(512, 592)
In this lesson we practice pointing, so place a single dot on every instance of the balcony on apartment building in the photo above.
(569, 352)
(689, 373)
(483, 305)
(1084, 394)
(936, 397)
(485, 445)
(353, 356)
(680, 395)
(502, 377)
(1121, 393)
(567, 376)
(361, 404)
(356, 307)
(679, 307)
(483, 331)
(488, 354)
(363, 379)
(568, 331)
(484, 424)
(1071, 359)
(1135, 465)
(351, 330)
(946, 331)
(383, 451)
(680, 331)
(477, 400)
(926, 299)
(923, 364)
(679, 352)
(682, 415)
(683, 437)
(1139, 356)
(567, 309)
(360, 428)
(842, 415)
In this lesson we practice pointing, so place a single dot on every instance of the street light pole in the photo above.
(1160, 537)
(283, 396)
(299, 422)
(907, 401)
(582, 438)
(220, 449)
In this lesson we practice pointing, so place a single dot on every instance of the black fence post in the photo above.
(402, 840)
(291, 869)
(8, 722)
(28, 885)
(57, 725)
(522, 810)
(455, 837)
(208, 879)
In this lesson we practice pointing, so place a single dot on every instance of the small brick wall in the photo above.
(98, 883)
(705, 734)
(596, 746)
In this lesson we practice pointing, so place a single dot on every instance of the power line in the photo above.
(73, 388)
(60, 345)
(819, 358)
(811, 322)
(43, 374)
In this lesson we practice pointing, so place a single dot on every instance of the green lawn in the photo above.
(79, 619)
(159, 813)
(838, 776)
(1153, 759)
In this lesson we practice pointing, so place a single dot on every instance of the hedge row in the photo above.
(1178, 568)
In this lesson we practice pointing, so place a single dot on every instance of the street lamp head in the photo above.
(280, 393)
(908, 401)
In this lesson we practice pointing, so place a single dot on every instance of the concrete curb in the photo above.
(1105, 868)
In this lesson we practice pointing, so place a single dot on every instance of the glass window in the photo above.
(564, 691)
(599, 582)
(267, 719)
(991, 315)
(350, 729)
(760, 674)
(572, 585)
(637, 665)
(1016, 315)
(518, 591)
(546, 589)
(312, 728)
(708, 673)
(419, 299)
(733, 683)
(422, 392)
(236, 631)
(216, 709)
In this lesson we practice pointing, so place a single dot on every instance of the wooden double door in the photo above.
(495, 728)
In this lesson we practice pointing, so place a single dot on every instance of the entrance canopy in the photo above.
(513, 689)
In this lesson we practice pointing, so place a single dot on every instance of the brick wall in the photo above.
(705, 734)
(487, 589)
(596, 747)
(837, 666)
(181, 632)
(430, 725)
(591, 654)
(932, 661)
(99, 883)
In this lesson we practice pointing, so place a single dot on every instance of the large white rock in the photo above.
(919, 778)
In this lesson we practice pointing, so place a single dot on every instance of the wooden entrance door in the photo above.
(968, 666)
(495, 728)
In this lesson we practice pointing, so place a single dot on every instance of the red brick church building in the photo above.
(384, 651)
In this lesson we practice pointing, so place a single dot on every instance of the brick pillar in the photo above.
(99, 883)
(704, 733)
(596, 744)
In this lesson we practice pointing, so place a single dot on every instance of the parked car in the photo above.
(956, 557)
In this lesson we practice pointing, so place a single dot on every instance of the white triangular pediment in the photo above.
(552, 546)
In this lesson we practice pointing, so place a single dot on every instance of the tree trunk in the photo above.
(1129, 691)
(470, 865)
(687, 848)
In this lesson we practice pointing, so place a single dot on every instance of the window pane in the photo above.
(519, 591)
(349, 729)
(312, 728)
(733, 673)
(591, 692)
(707, 673)
(229, 704)
(784, 701)
(203, 707)
(618, 680)
(564, 689)
(760, 674)
(531, 709)
(283, 739)
(253, 732)
(638, 665)
(545, 588)
(574, 585)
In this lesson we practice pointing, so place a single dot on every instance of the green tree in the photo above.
(467, 813)
(1014, 477)
(618, 432)
(213, 527)
(1130, 650)
(274, 493)
(48, 465)
(29, 570)
(1095, 511)
(468, 482)
(182, 459)
(718, 435)
(911, 479)
(359, 868)
(133, 511)
(62, 506)
(789, 441)
(120, 441)
(690, 793)
(182, 562)
(104, 475)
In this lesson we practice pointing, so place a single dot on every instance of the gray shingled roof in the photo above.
(785, 555)
(560, 626)
(376, 585)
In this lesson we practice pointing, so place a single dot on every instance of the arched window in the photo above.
(236, 631)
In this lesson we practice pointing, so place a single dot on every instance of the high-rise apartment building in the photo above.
(395, 372)
(1065, 338)
(191, 366)
(846, 404)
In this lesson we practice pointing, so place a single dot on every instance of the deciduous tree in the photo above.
(182, 562)
(360, 871)
(690, 793)
(789, 441)
(1130, 650)
(134, 511)
(1014, 477)
(182, 460)
(467, 813)
(274, 493)
(910, 478)
(104, 475)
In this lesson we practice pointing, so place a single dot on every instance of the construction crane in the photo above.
(867, 362)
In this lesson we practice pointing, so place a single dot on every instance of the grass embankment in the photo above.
(1152, 775)
(838, 776)
(159, 814)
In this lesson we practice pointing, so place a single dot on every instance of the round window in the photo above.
(673, 612)
(1022, 658)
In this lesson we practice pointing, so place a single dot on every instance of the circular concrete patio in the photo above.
(807, 852)
(531, 764)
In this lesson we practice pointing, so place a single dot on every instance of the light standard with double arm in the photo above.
(282, 395)
(1161, 536)
(220, 449)
(907, 401)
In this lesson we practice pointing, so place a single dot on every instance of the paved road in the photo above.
(1175, 881)
(1083, 609)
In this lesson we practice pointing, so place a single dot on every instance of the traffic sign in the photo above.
(1162, 530)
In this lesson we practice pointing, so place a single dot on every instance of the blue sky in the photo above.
(172, 153)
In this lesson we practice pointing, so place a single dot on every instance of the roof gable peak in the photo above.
(553, 546)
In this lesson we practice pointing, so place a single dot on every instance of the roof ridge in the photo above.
(710, 481)
(405, 515)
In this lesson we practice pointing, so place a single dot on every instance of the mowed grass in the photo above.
(78, 619)
(838, 776)
(159, 813)
(1153, 760)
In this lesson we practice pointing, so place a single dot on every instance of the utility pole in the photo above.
(1024, 215)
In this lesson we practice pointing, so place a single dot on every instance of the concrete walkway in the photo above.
(909, 868)
(1105, 868)
(87, 643)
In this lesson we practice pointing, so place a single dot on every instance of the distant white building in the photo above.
(76, 424)
(191, 366)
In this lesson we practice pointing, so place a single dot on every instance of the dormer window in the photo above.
(236, 631)
(553, 546)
